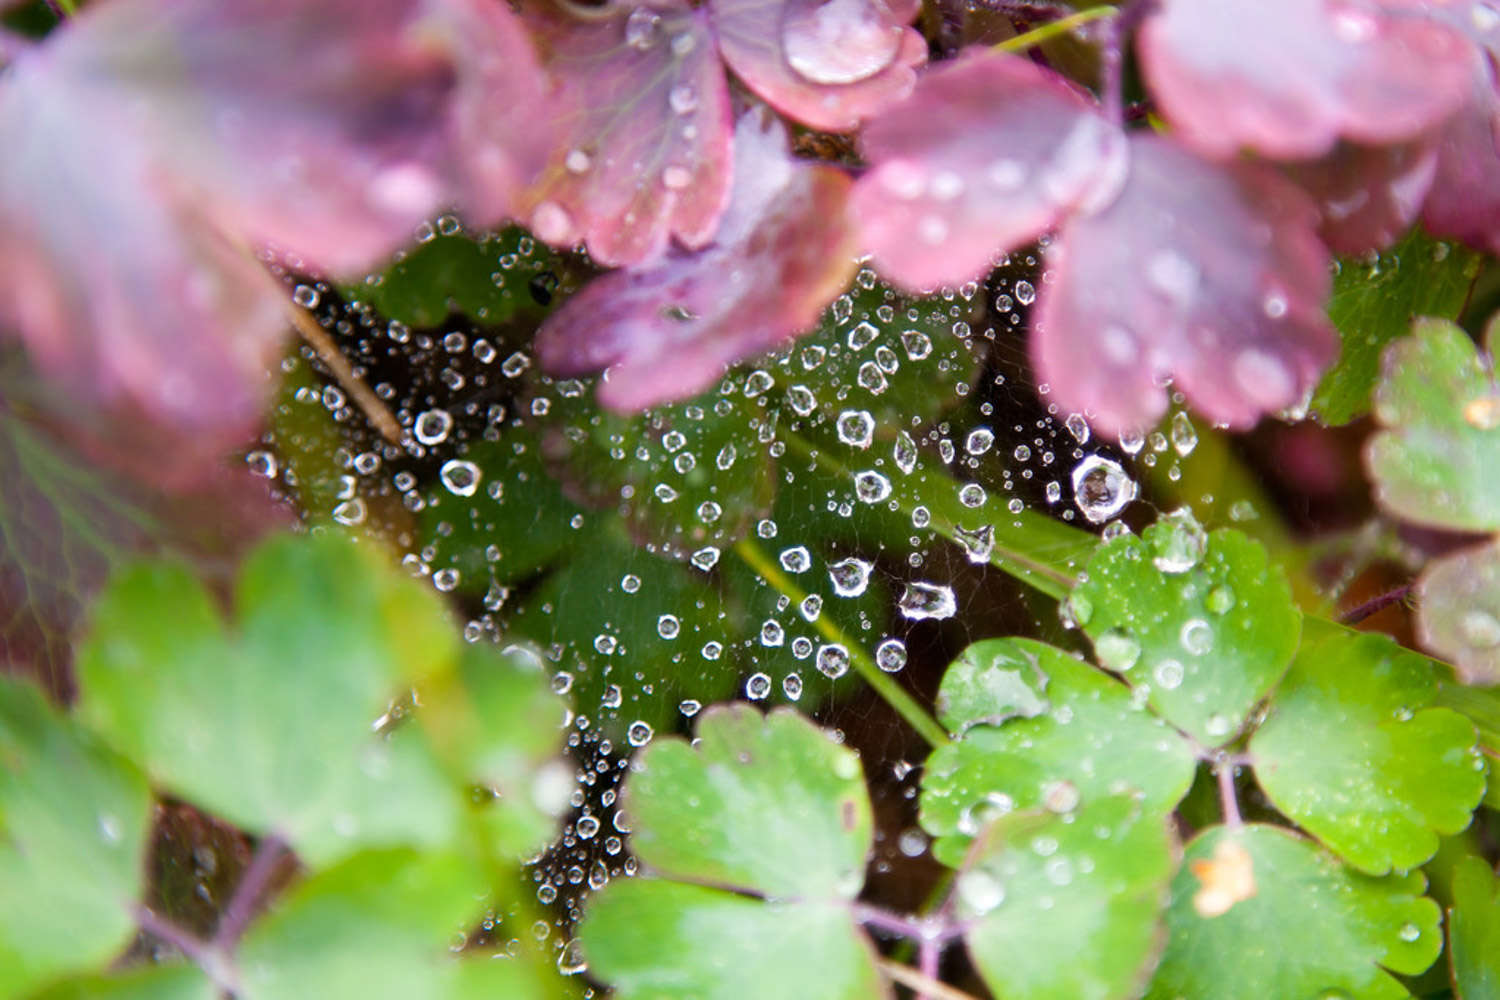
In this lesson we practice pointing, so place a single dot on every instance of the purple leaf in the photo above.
(1458, 611)
(989, 152)
(150, 144)
(1368, 195)
(829, 64)
(645, 154)
(1221, 289)
(1290, 77)
(781, 255)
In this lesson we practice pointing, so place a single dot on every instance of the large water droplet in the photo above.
(460, 477)
(850, 576)
(833, 660)
(928, 600)
(838, 41)
(1101, 489)
(1117, 650)
(1178, 542)
(432, 426)
(856, 427)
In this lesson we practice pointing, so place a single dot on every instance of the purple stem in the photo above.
(268, 854)
(928, 954)
(891, 923)
(1375, 604)
(1117, 32)
(1229, 801)
(56, 9)
(202, 954)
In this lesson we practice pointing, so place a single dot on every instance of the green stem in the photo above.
(1052, 29)
(1035, 549)
(885, 686)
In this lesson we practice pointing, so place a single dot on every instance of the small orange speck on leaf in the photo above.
(1227, 878)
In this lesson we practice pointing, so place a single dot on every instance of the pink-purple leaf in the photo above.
(989, 152)
(1221, 291)
(829, 64)
(782, 254)
(151, 145)
(646, 125)
(1368, 195)
(1458, 611)
(1288, 78)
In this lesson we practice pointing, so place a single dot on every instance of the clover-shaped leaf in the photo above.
(269, 725)
(763, 806)
(1474, 930)
(1043, 730)
(827, 63)
(1354, 752)
(646, 155)
(1069, 906)
(73, 825)
(380, 923)
(1201, 624)
(1458, 611)
(781, 254)
(1374, 304)
(1257, 911)
(1439, 402)
(1288, 78)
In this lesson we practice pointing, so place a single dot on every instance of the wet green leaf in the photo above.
(155, 982)
(1374, 304)
(723, 946)
(1474, 931)
(1458, 611)
(1089, 739)
(1354, 752)
(766, 805)
(991, 681)
(1201, 625)
(1069, 907)
(1259, 912)
(380, 923)
(268, 723)
(73, 826)
(1439, 403)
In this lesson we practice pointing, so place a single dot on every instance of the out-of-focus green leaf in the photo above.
(1439, 402)
(1259, 912)
(769, 806)
(1090, 738)
(1374, 304)
(155, 982)
(1069, 906)
(1354, 752)
(73, 825)
(1201, 624)
(1474, 931)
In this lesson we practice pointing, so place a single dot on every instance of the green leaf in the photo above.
(1474, 931)
(991, 681)
(1354, 753)
(1458, 611)
(768, 805)
(73, 825)
(154, 982)
(764, 803)
(269, 724)
(658, 940)
(1090, 739)
(1069, 907)
(488, 278)
(1312, 927)
(1374, 304)
(380, 923)
(1439, 403)
(1202, 626)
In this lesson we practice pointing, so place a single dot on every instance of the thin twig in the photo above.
(252, 884)
(201, 953)
(922, 983)
(1053, 29)
(1374, 604)
(1229, 800)
(328, 352)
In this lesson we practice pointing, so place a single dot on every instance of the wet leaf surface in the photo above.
(1474, 931)
(1458, 611)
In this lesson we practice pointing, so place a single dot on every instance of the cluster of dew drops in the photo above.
(464, 366)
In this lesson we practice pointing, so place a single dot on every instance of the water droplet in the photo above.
(856, 427)
(861, 336)
(552, 224)
(639, 733)
(979, 441)
(904, 453)
(758, 687)
(1101, 489)
(771, 633)
(1080, 607)
(928, 600)
(350, 512)
(833, 660)
(1168, 674)
(305, 296)
(515, 365)
(683, 99)
(1483, 414)
(676, 177)
(850, 576)
(890, 655)
(460, 477)
(791, 686)
(578, 162)
(796, 559)
(1078, 427)
(445, 580)
(917, 344)
(980, 891)
(642, 28)
(802, 400)
(689, 707)
(432, 426)
(1184, 435)
(972, 495)
(705, 558)
(1220, 600)
(811, 607)
(668, 626)
(1197, 636)
(1178, 542)
(871, 486)
(1479, 629)
(1117, 650)
(1025, 292)
(871, 377)
(1410, 931)
(978, 543)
